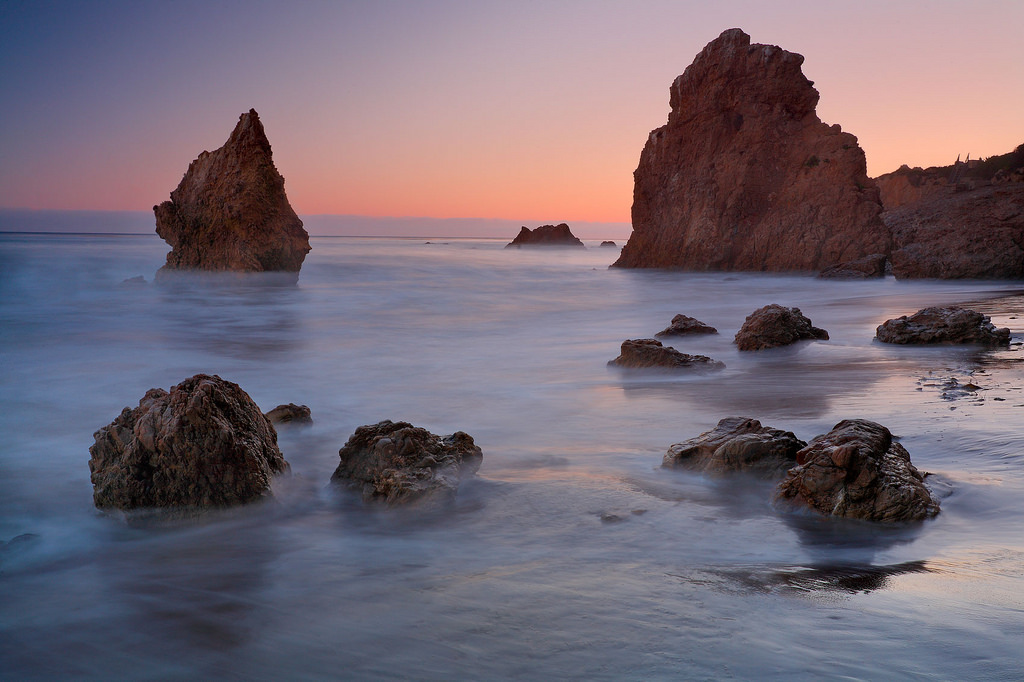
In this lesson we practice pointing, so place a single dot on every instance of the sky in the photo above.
(523, 111)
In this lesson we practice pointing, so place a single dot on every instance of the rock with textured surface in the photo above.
(290, 414)
(230, 211)
(775, 325)
(744, 176)
(683, 325)
(546, 235)
(869, 267)
(650, 354)
(203, 444)
(949, 325)
(857, 471)
(975, 234)
(400, 463)
(737, 444)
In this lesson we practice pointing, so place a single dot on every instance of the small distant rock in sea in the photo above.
(546, 235)
(683, 325)
(745, 176)
(737, 444)
(290, 414)
(775, 325)
(868, 267)
(399, 463)
(651, 354)
(134, 282)
(609, 244)
(230, 211)
(858, 471)
(203, 444)
(943, 325)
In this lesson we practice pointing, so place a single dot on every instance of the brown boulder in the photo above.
(737, 444)
(230, 211)
(399, 463)
(650, 354)
(203, 444)
(290, 413)
(775, 325)
(745, 176)
(683, 324)
(545, 235)
(857, 471)
(950, 325)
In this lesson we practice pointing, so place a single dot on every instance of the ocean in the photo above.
(571, 554)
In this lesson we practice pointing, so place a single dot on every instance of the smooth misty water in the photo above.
(571, 554)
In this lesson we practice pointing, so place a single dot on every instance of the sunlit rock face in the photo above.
(744, 176)
(230, 211)
(202, 444)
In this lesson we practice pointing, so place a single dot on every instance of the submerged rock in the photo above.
(290, 413)
(230, 211)
(745, 176)
(649, 353)
(943, 325)
(400, 463)
(545, 235)
(683, 324)
(737, 444)
(869, 267)
(204, 443)
(775, 325)
(857, 471)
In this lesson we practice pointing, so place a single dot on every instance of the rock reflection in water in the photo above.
(847, 579)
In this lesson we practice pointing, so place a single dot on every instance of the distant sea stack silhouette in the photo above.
(546, 235)
(745, 176)
(230, 211)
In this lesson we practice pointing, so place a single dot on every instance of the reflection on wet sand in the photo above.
(839, 578)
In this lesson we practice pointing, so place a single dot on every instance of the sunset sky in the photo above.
(531, 111)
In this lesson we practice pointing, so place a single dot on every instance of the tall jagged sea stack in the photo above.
(230, 211)
(745, 176)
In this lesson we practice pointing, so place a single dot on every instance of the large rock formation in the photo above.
(546, 235)
(203, 444)
(400, 463)
(737, 444)
(950, 325)
(650, 354)
(744, 176)
(230, 211)
(856, 470)
(775, 325)
(964, 221)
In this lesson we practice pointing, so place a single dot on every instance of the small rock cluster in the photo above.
(856, 470)
(205, 444)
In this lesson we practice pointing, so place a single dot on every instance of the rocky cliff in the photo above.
(745, 176)
(964, 221)
(230, 211)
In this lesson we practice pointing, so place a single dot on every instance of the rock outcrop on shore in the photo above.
(744, 176)
(546, 235)
(230, 211)
(202, 444)
(683, 325)
(737, 444)
(858, 471)
(943, 325)
(964, 221)
(399, 463)
(651, 354)
(775, 325)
